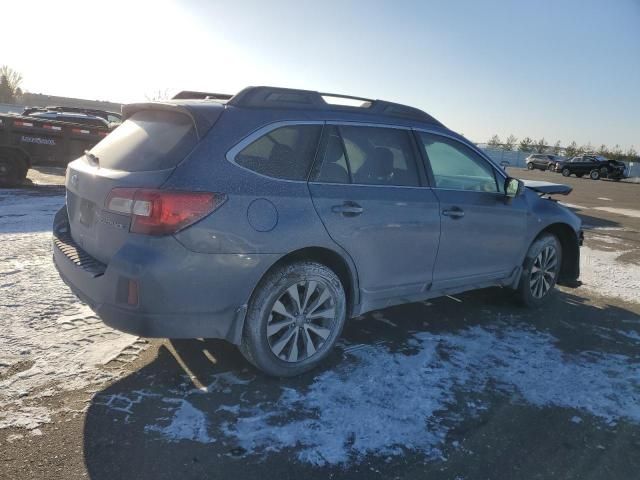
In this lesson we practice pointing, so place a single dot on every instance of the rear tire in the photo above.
(294, 318)
(566, 172)
(594, 174)
(540, 271)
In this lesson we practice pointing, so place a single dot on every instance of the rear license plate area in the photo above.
(86, 213)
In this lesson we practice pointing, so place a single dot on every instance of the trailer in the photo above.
(27, 140)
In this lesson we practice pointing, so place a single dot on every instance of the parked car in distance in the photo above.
(270, 217)
(595, 166)
(541, 161)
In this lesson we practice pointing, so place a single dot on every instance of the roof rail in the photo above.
(276, 97)
(191, 95)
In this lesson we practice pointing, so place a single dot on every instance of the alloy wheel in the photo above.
(543, 272)
(301, 320)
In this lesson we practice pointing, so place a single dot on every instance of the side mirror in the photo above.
(504, 164)
(513, 187)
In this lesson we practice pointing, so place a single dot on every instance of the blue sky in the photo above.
(563, 70)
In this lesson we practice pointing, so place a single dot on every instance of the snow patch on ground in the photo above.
(24, 417)
(573, 205)
(602, 273)
(187, 423)
(383, 403)
(49, 341)
(628, 212)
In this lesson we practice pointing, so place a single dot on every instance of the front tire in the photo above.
(294, 318)
(566, 172)
(594, 174)
(540, 270)
(530, 166)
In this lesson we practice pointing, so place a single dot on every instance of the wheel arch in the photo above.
(570, 244)
(16, 152)
(332, 259)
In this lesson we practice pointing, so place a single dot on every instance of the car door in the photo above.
(583, 165)
(537, 160)
(368, 190)
(482, 232)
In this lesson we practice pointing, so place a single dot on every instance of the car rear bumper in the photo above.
(178, 294)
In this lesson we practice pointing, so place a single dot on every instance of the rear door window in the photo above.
(285, 153)
(369, 156)
(148, 140)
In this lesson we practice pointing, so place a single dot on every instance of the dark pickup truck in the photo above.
(27, 140)
(595, 166)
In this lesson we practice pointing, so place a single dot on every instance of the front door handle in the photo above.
(454, 212)
(348, 209)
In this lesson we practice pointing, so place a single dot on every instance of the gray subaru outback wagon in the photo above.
(269, 217)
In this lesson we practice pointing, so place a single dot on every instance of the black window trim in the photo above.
(264, 130)
(423, 178)
(498, 173)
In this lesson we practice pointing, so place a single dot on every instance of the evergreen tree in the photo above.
(10, 81)
(6, 94)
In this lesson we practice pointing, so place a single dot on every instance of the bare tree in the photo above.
(616, 153)
(571, 150)
(510, 142)
(588, 148)
(13, 77)
(158, 96)
(557, 148)
(540, 146)
(526, 145)
(494, 142)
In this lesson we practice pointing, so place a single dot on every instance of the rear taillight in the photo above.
(162, 212)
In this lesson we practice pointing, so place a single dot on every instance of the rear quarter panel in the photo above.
(237, 227)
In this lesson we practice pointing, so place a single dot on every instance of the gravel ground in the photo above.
(467, 387)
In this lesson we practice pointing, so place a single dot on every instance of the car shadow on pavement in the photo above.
(590, 222)
(129, 432)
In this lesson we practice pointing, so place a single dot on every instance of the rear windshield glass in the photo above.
(148, 140)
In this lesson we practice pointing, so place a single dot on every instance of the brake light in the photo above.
(162, 212)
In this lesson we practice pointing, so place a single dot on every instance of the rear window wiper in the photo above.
(95, 161)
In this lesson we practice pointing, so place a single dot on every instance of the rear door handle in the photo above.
(454, 212)
(348, 209)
